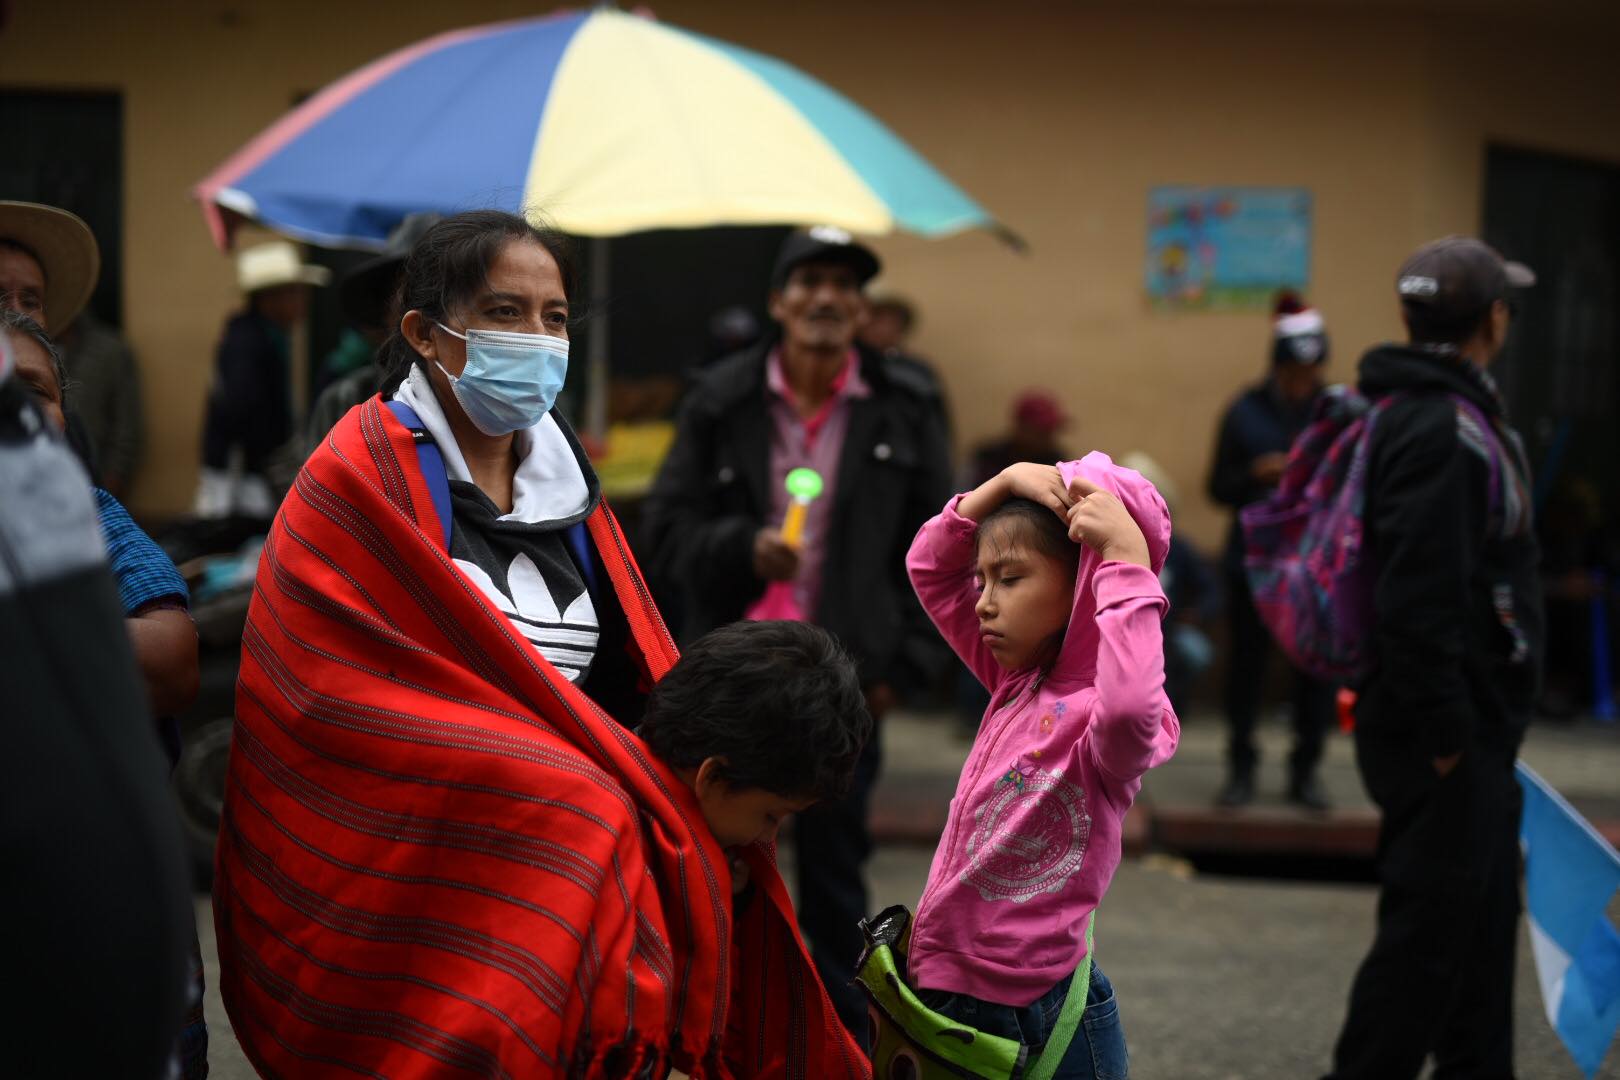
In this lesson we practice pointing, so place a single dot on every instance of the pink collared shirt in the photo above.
(816, 443)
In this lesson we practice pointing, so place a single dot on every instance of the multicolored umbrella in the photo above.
(606, 122)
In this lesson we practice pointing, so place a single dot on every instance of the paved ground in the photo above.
(1219, 978)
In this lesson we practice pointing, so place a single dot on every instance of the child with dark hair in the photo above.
(1044, 581)
(763, 719)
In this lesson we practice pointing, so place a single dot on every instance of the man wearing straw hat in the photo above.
(49, 262)
(249, 414)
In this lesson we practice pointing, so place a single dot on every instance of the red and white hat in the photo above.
(1298, 334)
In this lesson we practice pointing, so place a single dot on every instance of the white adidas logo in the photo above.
(566, 638)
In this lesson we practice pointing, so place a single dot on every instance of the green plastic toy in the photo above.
(805, 486)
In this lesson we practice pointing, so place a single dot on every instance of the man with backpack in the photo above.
(1454, 644)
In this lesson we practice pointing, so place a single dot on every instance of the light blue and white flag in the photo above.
(1571, 876)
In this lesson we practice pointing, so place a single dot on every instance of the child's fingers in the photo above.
(1057, 497)
(1080, 487)
(1052, 492)
(1082, 519)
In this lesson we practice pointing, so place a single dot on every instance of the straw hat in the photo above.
(66, 250)
(265, 266)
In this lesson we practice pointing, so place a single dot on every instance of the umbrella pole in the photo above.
(596, 370)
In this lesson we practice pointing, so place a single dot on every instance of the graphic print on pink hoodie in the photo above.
(1033, 836)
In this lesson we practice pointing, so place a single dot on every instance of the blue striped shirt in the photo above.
(143, 572)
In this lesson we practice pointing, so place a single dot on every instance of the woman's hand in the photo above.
(1100, 521)
(1025, 480)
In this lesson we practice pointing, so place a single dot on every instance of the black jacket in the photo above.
(1458, 629)
(250, 402)
(710, 498)
(1256, 424)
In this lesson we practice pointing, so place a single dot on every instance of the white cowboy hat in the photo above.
(264, 266)
(67, 254)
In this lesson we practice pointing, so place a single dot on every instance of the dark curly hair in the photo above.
(779, 702)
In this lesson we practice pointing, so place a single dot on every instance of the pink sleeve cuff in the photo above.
(1115, 582)
(958, 527)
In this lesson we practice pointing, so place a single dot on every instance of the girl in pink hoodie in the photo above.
(1045, 582)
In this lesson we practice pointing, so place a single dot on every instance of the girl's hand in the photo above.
(1100, 521)
(1026, 480)
(1038, 483)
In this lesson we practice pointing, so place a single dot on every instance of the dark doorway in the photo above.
(676, 300)
(1559, 374)
(667, 286)
(1558, 370)
(67, 150)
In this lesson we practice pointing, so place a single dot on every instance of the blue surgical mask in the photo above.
(511, 380)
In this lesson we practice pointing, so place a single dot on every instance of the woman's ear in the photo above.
(417, 329)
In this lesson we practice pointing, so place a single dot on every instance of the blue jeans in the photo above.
(1097, 1051)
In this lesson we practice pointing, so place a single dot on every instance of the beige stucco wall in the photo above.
(1057, 117)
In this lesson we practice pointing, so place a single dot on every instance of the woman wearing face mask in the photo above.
(442, 849)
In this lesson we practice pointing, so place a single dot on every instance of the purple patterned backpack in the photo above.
(1307, 565)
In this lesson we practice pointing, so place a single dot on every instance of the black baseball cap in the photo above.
(824, 243)
(1447, 286)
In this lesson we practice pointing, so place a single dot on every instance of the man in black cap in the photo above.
(718, 527)
(1457, 646)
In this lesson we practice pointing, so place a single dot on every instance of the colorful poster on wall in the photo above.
(1226, 248)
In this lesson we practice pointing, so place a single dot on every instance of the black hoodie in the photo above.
(1458, 632)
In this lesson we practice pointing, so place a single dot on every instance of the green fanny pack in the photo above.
(912, 1042)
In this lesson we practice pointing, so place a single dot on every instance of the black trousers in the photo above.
(1251, 645)
(834, 840)
(1439, 976)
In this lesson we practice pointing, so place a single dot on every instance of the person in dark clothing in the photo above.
(1036, 421)
(808, 396)
(1457, 644)
(890, 321)
(155, 605)
(249, 414)
(1253, 446)
(367, 294)
(95, 890)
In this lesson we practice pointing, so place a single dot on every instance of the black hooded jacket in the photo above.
(1458, 629)
(711, 496)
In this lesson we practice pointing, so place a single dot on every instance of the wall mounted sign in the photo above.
(1226, 248)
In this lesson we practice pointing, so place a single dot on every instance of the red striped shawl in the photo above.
(440, 858)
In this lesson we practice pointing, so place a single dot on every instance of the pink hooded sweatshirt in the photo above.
(1033, 835)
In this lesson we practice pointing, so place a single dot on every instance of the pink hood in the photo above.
(1147, 507)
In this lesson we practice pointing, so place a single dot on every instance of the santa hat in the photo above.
(1298, 334)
